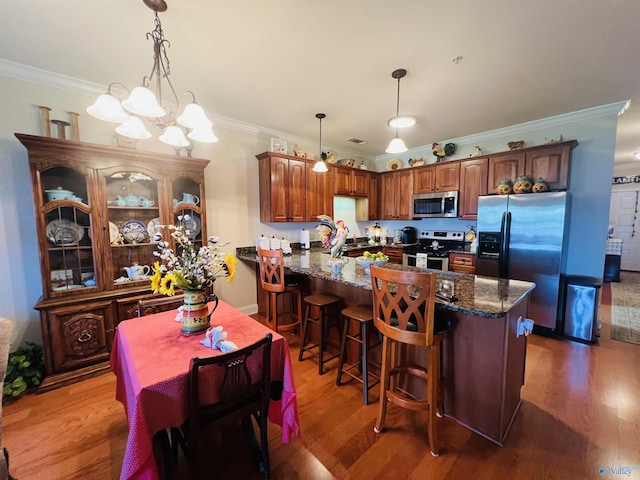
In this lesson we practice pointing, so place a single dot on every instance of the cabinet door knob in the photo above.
(84, 337)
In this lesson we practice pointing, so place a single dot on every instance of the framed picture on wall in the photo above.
(278, 146)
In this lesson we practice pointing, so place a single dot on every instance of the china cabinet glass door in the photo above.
(188, 209)
(68, 245)
(133, 217)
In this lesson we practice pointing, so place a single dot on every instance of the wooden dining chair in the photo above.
(149, 306)
(275, 282)
(404, 305)
(225, 389)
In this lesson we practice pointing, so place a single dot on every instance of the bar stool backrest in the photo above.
(271, 270)
(404, 304)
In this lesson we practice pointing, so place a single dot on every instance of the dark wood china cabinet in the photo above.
(97, 208)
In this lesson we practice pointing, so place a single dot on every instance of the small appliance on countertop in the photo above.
(409, 235)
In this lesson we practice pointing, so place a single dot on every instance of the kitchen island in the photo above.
(483, 356)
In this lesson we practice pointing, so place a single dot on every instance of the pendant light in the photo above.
(320, 165)
(399, 121)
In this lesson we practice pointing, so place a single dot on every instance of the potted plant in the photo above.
(25, 369)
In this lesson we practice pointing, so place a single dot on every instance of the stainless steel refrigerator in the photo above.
(523, 237)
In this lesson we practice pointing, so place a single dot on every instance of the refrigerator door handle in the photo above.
(507, 240)
(503, 264)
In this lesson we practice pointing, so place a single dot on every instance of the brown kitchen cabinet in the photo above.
(424, 179)
(350, 182)
(507, 165)
(95, 208)
(447, 176)
(440, 177)
(396, 189)
(551, 163)
(282, 188)
(473, 184)
(319, 200)
(394, 254)
(373, 205)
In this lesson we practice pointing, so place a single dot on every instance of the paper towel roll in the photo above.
(304, 259)
(304, 239)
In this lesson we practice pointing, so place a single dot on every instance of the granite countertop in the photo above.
(477, 295)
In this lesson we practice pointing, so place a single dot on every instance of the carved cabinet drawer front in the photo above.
(79, 334)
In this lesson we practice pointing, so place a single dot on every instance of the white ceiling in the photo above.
(277, 63)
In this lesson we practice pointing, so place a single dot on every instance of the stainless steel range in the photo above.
(432, 250)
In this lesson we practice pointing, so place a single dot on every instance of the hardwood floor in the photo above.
(580, 411)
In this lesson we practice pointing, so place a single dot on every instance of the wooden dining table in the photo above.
(150, 358)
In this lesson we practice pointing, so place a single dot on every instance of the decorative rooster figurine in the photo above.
(332, 235)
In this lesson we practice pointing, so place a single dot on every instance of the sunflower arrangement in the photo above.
(190, 268)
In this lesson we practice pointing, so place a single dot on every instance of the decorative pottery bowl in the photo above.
(363, 262)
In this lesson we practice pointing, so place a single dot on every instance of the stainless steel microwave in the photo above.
(437, 204)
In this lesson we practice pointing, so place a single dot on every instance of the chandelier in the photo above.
(144, 103)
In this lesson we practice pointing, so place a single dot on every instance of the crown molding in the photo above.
(521, 128)
(39, 76)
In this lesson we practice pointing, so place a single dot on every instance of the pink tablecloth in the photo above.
(150, 358)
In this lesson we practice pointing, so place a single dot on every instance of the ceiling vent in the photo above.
(355, 140)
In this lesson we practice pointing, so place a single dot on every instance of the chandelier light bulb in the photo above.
(193, 116)
(133, 128)
(143, 102)
(637, 155)
(174, 136)
(204, 135)
(108, 108)
(396, 145)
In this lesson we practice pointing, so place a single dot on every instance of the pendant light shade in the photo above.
(320, 165)
(396, 145)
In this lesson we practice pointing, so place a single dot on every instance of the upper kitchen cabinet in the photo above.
(282, 188)
(396, 190)
(373, 205)
(551, 163)
(350, 182)
(319, 199)
(508, 165)
(424, 179)
(473, 183)
(447, 176)
(441, 177)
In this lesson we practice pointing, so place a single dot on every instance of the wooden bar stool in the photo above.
(364, 315)
(404, 309)
(274, 281)
(322, 301)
